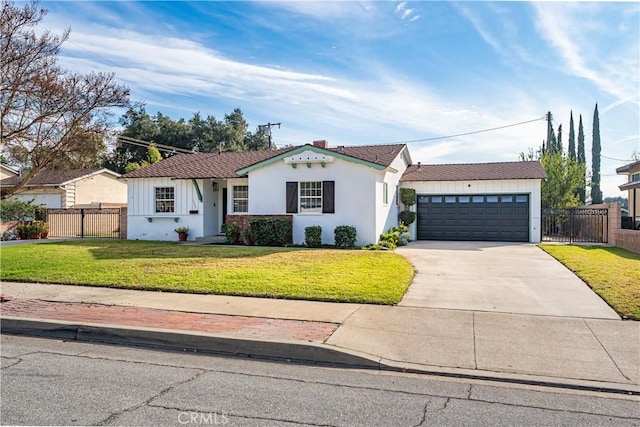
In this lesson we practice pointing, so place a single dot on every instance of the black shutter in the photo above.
(328, 197)
(292, 197)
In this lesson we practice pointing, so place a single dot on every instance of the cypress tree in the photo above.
(581, 160)
(559, 141)
(572, 139)
(596, 193)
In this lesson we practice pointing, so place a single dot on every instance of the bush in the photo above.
(13, 209)
(407, 217)
(231, 231)
(345, 236)
(271, 231)
(408, 197)
(313, 236)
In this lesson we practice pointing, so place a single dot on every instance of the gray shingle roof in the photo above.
(225, 165)
(50, 177)
(475, 171)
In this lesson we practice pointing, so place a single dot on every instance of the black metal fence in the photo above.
(587, 225)
(92, 223)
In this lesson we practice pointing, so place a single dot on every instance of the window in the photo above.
(521, 199)
(240, 198)
(312, 196)
(165, 201)
(463, 199)
(477, 199)
(450, 199)
(492, 199)
(635, 177)
(506, 199)
(385, 193)
(436, 199)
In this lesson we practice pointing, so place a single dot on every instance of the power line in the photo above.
(141, 143)
(470, 133)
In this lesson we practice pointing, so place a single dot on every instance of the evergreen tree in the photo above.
(559, 140)
(596, 193)
(582, 191)
(572, 139)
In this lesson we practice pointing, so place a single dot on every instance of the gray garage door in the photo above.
(503, 217)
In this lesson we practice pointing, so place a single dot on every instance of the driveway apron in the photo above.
(497, 277)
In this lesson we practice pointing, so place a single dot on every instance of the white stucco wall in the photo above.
(100, 188)
(516, 186)
(356, 186)
(387, 214)
(141, 206)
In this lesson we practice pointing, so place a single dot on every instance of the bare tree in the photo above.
(47, 113)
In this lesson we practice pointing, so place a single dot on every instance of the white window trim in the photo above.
(233, 200)
(300, 197)
(155, 200)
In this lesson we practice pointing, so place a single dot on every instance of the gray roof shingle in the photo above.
(50, 177)
(225, 165)
(475, 171)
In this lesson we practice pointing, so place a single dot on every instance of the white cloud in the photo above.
(573, 31)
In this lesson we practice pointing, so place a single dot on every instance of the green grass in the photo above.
(613, 273)
(292, 273)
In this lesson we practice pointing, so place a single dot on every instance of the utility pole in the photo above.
(268, 126)
(549, 130)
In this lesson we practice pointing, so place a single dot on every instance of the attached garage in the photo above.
(490, 217)
(478, 201)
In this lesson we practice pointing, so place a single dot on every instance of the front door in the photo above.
(224, 205)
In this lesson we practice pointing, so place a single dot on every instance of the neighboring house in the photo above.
(330, 186)
(7, 172)
(71, 188)
(632, 170)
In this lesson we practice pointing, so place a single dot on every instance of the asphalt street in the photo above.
(50, 382)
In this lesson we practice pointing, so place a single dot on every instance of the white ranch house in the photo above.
(329, 186)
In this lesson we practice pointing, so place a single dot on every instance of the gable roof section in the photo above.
(627, 168)
(8, 169)
(204, 165)
(232, 164)
(475, 171)
(375, 156)
(48, 178)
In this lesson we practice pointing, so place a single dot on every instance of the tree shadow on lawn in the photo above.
(133, 249)
(620, 252)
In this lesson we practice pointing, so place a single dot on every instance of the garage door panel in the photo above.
(473, 217)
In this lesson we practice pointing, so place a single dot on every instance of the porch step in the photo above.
(208, 240)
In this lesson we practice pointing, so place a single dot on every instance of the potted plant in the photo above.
(183, 233)
(34, 231)
(42, 227)
(232, 232)
(23, 231)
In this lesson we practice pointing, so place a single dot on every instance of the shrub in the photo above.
(407, 217)
(13, 209)
(345, 236)
(271, 231)
(313, 236)
(408, 197)
(231, 231)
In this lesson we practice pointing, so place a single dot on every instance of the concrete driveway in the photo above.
(497, 277)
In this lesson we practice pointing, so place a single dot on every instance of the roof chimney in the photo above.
(321, 144)
(419, 165)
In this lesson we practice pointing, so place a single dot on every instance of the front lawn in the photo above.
(292, 273)
(613, 273)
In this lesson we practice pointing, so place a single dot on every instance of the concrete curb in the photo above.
(180, 340)
(299, 352)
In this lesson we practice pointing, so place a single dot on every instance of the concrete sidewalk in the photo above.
(560, 351)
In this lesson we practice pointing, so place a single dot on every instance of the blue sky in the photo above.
(358, 73)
